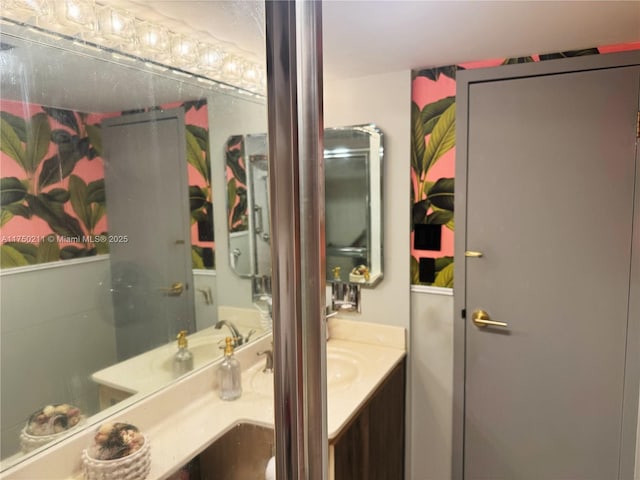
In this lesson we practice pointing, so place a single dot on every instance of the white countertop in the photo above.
(151, 370)
(187, 416)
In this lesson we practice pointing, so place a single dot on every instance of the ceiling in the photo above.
(360, 38)
(365, 37)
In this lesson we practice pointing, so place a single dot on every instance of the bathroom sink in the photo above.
(204, 350)
(343, 369)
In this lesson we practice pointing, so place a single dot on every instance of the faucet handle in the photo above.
(268, 367)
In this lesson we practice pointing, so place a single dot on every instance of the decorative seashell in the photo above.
(117, 440)
(53, 419)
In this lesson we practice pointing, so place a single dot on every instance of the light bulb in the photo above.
(211, 58)
(232, 68)
(26, 10)
(73, 12)
(115, 24)
(153, 40)
(76, 12)
(183, 51)
(250, 73)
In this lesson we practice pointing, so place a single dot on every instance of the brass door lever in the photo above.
(175, 290)
(482, 319)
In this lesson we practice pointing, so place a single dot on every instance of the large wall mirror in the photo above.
(353, 206)
(113, 196)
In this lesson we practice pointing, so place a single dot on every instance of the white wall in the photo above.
(205, 298)
(432, 384)
(386, 101)
(61, 315)
(229, 115)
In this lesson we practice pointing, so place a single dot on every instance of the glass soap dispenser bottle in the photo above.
(183, 359)
(229, 374)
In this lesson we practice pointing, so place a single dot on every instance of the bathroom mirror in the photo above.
(84, 320)
(353, 203)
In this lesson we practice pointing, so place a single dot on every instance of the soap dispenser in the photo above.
(229, 374)
(183, 359)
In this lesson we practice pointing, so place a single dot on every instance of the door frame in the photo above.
(464, 80)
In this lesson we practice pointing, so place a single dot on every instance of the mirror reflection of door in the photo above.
(146, 184)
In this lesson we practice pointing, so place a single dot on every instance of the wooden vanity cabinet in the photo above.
(109, 396)
(371, 447)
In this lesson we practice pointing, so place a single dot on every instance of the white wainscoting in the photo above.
(56, 328)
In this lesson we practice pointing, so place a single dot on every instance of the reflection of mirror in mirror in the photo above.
(103, 264)
(248, 208)
(353, 204)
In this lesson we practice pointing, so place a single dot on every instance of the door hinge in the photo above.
(638, 126)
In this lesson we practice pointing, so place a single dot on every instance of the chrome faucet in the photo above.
(238, 339)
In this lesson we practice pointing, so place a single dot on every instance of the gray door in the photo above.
(550, 194)
(148, 220)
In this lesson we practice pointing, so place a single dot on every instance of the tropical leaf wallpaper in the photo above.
(433, 162)
(200, 190)
(237, 217)
(52, 196)
(51, 184)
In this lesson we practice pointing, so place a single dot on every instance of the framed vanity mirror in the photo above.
(353, 206)
(112, 172)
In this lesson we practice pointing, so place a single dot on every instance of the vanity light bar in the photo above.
(116, 29)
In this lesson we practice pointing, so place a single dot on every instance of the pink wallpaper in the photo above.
(199, 180)
(432, 91)
(52, 175)
(53, 200)
(236, 178)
